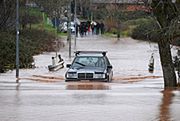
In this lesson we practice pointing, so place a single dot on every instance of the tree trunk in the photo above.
(166, 63)
(165, 11)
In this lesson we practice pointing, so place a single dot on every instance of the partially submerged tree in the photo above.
(168, 18)
(167, 15)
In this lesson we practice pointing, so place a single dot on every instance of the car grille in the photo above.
(85, 75)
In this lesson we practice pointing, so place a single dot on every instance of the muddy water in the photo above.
(87, 86)
(134, 95)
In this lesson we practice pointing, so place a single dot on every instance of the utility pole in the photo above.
(91, 10)
(17, 41)
(75, 21)
(68, 27)
(56, 35)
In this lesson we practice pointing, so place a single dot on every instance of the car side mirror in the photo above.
(109, 67)
(68, 65)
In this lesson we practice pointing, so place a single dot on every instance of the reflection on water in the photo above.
(44, 78)
(130, 79)
(17, 86)
(87, 86)
(165, 106)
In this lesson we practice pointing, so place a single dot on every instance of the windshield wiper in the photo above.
(80, 64)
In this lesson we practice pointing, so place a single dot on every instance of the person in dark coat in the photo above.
(97, 28)
(102, 27)
(81, 29)
(92, 28)
(77, 30)
(60, 59)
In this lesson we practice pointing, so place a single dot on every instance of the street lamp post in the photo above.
(75, 21)
(17, 41)
(68, 27)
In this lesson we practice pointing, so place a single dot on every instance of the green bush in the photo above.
(147, 30)
(114, 30)
(29, 16)
(137, 21)
(125, 33)
(8, 52)
(39, 40)
(128, 21)
(31, 42)
(131, 15)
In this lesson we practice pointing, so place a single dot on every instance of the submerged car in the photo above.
(89, 65)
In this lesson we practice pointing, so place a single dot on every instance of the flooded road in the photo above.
(134, 94)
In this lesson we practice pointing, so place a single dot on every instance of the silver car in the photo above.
(89, 65)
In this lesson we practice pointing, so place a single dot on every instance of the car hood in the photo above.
(86, 69)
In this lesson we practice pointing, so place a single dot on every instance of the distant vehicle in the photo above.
(63, 27)
(89, 65)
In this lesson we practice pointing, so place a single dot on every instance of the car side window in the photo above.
(107, 61)
(100, 62)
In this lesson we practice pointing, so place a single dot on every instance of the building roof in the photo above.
(119, 1)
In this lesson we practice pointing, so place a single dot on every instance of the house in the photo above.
(128, 5)
(119, 1)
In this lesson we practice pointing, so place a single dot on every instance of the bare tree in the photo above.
(7, 14)
(166, 14)
(84, 7)
(54, 8)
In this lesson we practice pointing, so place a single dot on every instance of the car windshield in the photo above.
(89, 61)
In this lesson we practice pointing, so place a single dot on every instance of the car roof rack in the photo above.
(86, 52)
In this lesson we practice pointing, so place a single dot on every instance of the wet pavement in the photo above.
(134, 94)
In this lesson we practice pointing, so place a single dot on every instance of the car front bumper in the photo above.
(97, 79)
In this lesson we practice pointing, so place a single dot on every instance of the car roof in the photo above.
(90, 53)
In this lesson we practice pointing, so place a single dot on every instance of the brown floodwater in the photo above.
(87, 86)
(133, 95)
(165, 106)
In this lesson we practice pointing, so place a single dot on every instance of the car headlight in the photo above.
(71, 75)
(99, 75)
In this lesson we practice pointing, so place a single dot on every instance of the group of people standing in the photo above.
(90, 28)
